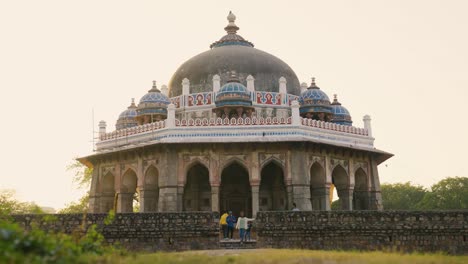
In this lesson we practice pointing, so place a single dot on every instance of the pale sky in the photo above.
(403, 62)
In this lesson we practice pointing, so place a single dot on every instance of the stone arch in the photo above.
(108, 183)
(319, 189)
(107, 188)
(340, 179)
(149, 194)
(234, 160)
(272, 191)
(235, 191)
(361, 190)
(194, 162)
(128, 189)
(197, 189)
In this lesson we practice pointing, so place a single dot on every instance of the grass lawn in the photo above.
(280, 256)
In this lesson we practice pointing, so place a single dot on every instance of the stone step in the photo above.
(236, 244)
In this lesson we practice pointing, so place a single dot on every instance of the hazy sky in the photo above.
(403, 62)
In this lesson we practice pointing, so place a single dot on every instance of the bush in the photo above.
(38, 246)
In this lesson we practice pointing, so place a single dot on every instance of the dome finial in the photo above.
(154, 88)
(233, 77)
(312, 84)
(335, 100)
(231, 28)
(132, 105)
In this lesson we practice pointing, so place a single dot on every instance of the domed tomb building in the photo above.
(234, 130)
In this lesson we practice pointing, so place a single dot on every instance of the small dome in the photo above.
(128, 117)
(233, 93)
(154, 102)
(341, 115)
(314, 101)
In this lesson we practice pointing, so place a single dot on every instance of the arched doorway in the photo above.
(197, 190)
(127, 191)
(149, 196)
(107, 193)
(319, 192)
(272, 193)
(340, 180)
(361, 191)
(235, 193)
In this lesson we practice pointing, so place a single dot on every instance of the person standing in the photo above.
(242, 225)
(223, 223)
(231, 222)
(295, 209)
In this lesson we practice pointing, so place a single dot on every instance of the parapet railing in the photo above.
(247, 121)
(335, 127)
(254, 121)
(133, 130)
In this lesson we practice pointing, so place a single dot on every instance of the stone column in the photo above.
(375, 196)
(346, 198)
(367, 125)
(250, 83)
(301, 196)
(289, 191)
(168, 196)
(148, 200)
(282, 85)
(170, 121)
(106, 202)
(255, 203)
(295, 117)
(180, 198)
(125, 203)
(94, 197)
(216, 84)
(215, 198)
(321, 198)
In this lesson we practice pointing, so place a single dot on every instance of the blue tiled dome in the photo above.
(155, 97)
(233, 93)
(128, 117)
(313, 101)
(341, 115)
(154, 102)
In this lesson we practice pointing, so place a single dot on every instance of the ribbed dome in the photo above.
(154, 102)
(128, 117)
(233, 53)
(314, 100)
(341, 115)
(233, 93)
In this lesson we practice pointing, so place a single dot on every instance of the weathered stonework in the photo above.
(248, 177)
(444, 231)
(140, 232)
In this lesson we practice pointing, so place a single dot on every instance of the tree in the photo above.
(449, 193)
(402, 196)
(10, 205)
(82, 178)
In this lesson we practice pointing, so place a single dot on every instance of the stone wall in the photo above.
(445, 231)
(140, 231)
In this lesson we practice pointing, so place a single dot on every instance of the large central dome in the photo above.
(233, 53)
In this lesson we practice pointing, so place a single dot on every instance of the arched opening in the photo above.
(107, 193)
(361, 191)
(340, 180)
(319, 192)
(272, 193)
(235, 192)
(149, 196)
(197, 190)
(128, 191)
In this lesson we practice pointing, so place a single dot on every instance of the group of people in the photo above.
(228, 222)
